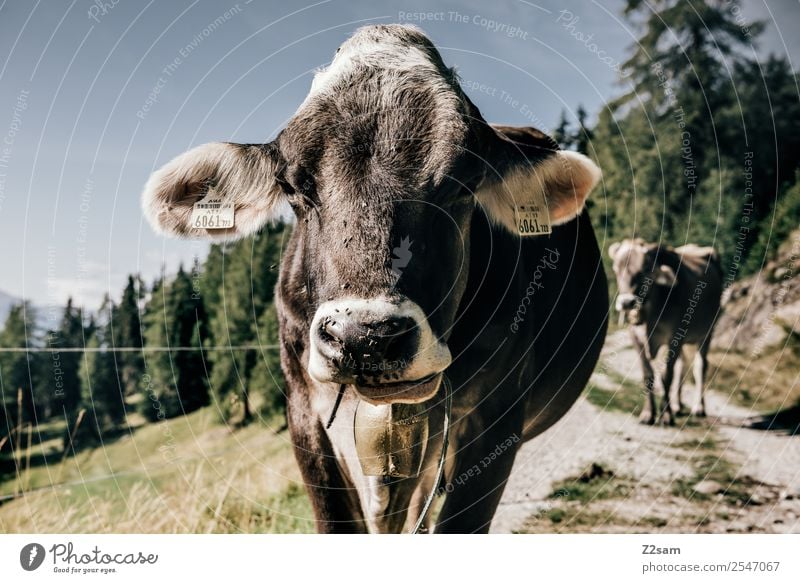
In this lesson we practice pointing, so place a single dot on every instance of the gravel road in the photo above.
(765, 468)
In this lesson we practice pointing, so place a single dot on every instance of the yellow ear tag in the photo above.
(212, 212)
(533, 219)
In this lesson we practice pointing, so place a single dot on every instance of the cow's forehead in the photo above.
(386, 103)
(629, 258)
(388, 49)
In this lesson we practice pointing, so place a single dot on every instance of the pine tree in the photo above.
(17, 368)
(103, 390)
(267, 376)
(175, 318)
(60, 385)
(583, 135)
(681, 63)
(127, 333)
(562, 134)
(669, 149)
(212, 274)
(248, 282)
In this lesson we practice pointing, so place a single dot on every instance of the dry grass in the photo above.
(767, 383)
(186, 475)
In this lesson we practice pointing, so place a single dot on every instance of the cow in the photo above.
(671, 298)
(429, 250)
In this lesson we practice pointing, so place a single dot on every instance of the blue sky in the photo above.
(95, 95)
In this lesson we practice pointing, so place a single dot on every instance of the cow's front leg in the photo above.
(484, 458)
(700, 366)
(680, 371)
(665, 415)
(336, 508)
(648, 414)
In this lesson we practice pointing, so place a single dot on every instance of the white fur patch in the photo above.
(243, 175)
(387, 53)
(432, 355)
(563, 181)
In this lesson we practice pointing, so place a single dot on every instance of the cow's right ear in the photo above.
(665, 275)
(527, 173)
(612, 250)
(244, 175)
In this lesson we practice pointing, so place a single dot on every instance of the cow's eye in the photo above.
(285, 186)
(299, 186)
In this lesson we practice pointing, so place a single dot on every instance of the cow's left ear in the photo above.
(242, 177)
(665, 275)
(527, 170)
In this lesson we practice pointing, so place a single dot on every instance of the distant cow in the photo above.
(671, 298)
(427, 242)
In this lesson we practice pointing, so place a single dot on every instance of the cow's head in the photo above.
(638, 271)
(383, 165)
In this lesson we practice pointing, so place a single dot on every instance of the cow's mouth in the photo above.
(415, 391)
(633, 316)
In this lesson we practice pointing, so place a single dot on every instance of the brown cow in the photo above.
(671, 298)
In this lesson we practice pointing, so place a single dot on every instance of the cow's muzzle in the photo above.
(629, 308)
(385, 349)
(626, 302)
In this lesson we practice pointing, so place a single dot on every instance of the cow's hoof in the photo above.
(696, 412)
(682, 411)
(665, 418)
(647, 419)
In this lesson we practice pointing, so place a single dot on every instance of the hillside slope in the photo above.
(762, 312)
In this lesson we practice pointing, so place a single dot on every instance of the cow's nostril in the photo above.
(369, 348)
(331, 330)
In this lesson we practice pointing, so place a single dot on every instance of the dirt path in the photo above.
(705, 476)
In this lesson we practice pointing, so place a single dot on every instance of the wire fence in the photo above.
(144, 348)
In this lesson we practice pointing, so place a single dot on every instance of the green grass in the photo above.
(704, 443)
(735, 490)
(627, 398)
(187, 474)
(286, 512)
(596, 483)
(766, 383)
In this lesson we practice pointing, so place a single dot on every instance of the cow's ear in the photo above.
(665, 275)
(527, 170)
(237, 174)
(612, 250)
